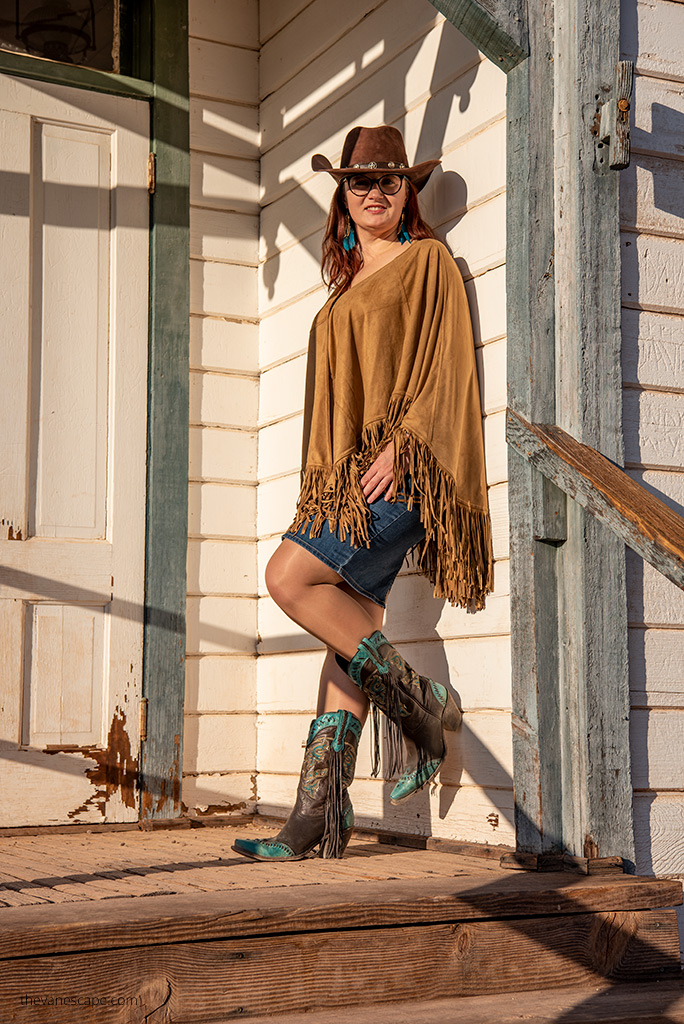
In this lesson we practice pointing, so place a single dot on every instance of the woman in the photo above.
(392, 462)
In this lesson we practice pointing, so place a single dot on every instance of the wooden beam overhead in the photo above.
(497, 28)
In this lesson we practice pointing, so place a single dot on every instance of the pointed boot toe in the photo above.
(413, 780)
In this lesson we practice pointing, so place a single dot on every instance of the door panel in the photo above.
(74, 224)
(70, 256)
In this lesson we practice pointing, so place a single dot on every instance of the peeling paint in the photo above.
(169, 790)
(203, 811)
(115, 769)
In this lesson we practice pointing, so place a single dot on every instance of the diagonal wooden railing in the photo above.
(645, 523)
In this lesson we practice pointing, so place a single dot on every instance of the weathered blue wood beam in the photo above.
(536, 509)
(167, 462)
(594, 678)
(497, 28)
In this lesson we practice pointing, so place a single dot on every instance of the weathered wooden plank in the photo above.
(221, 625)
(656, 667)
(645, 1003)
(303, 908)
(498, 29)
(217, 742)
(223, 72)
(652, 348)
(167, 457)
(652, 195)
(250, 976)
(224, 183)
(658, 106)
(652, 274)
(654, 600)
(219, 400)
(530, 315)
(219, 344)
(650, 35)
(274, 14)
(217, 794)
(228, 129)
(222, 510)
(223, 289)
(594, 670)
(657, 737)
(24, 66)
(221, 455)
(640, 519)
(654, 428)
(208, 21)
(659, 832)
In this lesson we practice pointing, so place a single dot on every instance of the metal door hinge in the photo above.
(151, 173)
(143, 718)
(613, 132)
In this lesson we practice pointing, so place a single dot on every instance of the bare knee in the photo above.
(279, 581)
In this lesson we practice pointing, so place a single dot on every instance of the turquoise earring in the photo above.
(349, 240)
(403, 233)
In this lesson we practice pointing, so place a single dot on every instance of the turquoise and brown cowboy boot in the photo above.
(415, 706)
(323, 815)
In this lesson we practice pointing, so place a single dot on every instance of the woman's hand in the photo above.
(379, 478)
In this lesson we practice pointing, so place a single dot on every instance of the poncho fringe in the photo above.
(456, 555)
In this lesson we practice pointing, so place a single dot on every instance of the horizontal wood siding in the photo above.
(220, 699)
(324, 69)
(652, 220)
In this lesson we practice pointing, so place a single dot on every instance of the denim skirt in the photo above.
(392, 531)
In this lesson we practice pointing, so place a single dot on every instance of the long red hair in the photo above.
(338, 267)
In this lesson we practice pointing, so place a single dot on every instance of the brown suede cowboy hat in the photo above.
(375, 149)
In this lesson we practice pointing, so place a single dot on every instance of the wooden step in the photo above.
(654, 1003)
(247, 953)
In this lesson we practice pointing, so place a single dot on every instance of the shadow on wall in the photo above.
(429, 144)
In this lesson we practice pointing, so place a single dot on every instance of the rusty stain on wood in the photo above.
(115, 769)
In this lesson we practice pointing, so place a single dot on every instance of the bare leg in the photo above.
(336, 690)
(310, 594)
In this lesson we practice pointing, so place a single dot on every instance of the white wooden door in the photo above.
(74, 227)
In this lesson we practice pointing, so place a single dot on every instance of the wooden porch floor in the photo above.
(68, 868)
(449, 935)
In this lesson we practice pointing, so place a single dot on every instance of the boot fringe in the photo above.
(388, 735)
(331, 843)
(456, 555)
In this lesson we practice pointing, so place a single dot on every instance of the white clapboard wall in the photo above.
(323, 69)
(652, 216)
(220, 706)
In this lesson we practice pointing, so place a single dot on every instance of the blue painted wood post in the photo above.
(168, 416)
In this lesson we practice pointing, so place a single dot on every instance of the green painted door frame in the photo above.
(570, 689)
(161, 61)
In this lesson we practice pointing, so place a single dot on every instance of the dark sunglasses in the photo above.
(361, 184)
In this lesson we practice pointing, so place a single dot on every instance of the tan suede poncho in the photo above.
(392, 359)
